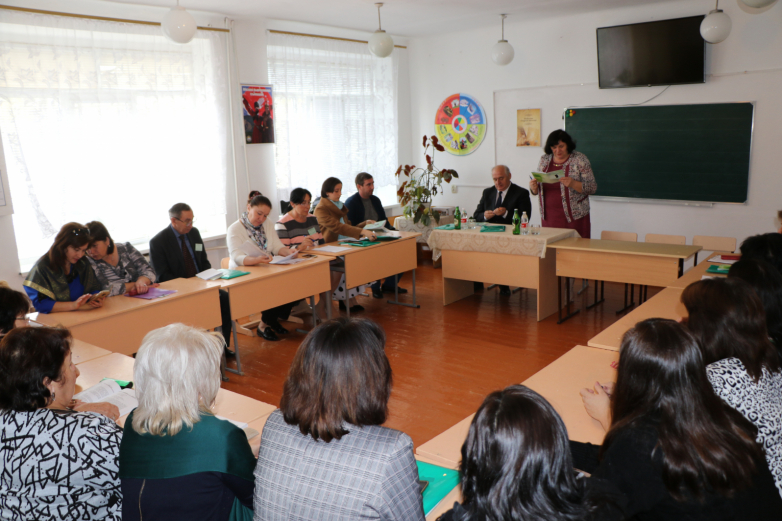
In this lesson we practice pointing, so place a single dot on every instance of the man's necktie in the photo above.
(498, 204)
(190, 267)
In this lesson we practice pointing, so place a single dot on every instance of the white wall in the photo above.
(254, 163)
(562, 51)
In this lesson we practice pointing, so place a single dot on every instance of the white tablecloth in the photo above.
(404, 224)
(496, 242)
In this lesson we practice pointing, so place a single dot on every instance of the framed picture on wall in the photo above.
(528, 128)
(258, 113)
(5, 192)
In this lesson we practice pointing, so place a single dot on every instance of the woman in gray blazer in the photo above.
(324, 454)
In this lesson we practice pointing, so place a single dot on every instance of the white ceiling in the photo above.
(400, 17)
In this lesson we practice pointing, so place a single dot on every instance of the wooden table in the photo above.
(115, 365)
(82, 351)
(696, 273)
(643, 263)
(270, 286)
(499, 258)
(666, 304)
(380, 261)
(560, 383)
(121, 324)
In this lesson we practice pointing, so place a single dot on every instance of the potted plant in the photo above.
(423, 184)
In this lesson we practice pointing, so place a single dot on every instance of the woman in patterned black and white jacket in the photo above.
(57, 463)
(728, 319)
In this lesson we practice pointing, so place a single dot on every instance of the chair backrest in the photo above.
(619, 236)
(665, 239)
(708, 243)
(285, 206)
(224, 262)
(392, 219)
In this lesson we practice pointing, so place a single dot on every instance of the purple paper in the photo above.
(154, 293)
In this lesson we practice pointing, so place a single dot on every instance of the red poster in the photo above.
(258, 113)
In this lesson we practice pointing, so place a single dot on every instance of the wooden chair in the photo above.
(710, 243)
(285, 207)
(224, 263)
(660, 239)
(618, 236)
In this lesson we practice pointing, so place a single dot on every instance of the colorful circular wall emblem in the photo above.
(460, 124)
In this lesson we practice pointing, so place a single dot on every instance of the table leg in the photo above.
(238, 369)
(456, 289)
(396, 294)
(567, 293)
(632, 299)
(329, 302)
(314, 317)
(602, 298)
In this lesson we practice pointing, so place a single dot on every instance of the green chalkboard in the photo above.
(669, 152)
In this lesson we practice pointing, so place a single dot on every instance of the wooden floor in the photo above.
(445, 359)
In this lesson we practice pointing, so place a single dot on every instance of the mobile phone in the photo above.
(98, 296)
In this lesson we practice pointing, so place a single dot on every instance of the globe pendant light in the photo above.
(502, 52)
(758, 4)
(179, 25)
(380, 43)
(716, 26)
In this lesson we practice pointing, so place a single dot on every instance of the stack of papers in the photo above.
(248, 431)
(332, 249)
(210, 274)
(154, 293)
(720, 259)
(289, 259)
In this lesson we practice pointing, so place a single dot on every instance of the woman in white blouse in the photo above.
(255, 227)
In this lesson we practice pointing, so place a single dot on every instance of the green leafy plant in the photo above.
(423, 184)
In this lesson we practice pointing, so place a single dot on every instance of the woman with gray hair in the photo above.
(177, 460)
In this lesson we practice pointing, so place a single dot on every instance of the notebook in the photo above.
(441, 482)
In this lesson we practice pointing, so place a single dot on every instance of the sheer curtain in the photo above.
(335, 114)
(113, 122)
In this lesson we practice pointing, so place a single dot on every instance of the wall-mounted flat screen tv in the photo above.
(667, 52)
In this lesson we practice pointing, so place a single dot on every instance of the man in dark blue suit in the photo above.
(364, 206)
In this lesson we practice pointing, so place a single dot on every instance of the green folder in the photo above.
(387, 237)
(446, 227)
(719, 268)
(361, 244)
(232, 274)
(441, 482)
(490, 228)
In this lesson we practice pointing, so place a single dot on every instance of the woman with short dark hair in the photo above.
(565, 204)
(14, 307)
(57, 463)
(347, 467)
(516, 464)
(673, 448)
(767, 247)
(727, 318)
(120, 268)
(62, 280)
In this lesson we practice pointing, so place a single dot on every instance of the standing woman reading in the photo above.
(565, 205)
(62, 280)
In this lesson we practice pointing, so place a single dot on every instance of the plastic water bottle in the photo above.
(524, 224)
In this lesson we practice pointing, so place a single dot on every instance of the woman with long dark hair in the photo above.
(62, 279)
(516, 464)
(727, 318)
(673, 448)
(766, 280)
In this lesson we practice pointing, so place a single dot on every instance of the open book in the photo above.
(548, 177)
(289, 259)
(109, 391)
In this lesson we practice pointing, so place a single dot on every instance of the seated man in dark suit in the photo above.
(364, 206)
(499, 202)
(178, 252)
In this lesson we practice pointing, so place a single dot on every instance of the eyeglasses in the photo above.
(188, 222)
(80, 231)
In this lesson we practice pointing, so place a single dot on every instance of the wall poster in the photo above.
(460, 124)
(258, 113)
(528, 128)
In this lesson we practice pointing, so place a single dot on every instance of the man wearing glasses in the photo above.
(178, 252)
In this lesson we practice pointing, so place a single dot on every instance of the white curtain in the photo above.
(335, 114)
(113, 122)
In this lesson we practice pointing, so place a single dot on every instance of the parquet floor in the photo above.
(445, 360)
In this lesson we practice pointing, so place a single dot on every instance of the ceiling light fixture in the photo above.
(758, 4)
(502, 52)
(715, 28)
(179, 25)
(380, 43)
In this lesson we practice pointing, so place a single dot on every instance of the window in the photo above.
(335, 107)
(112, 122)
